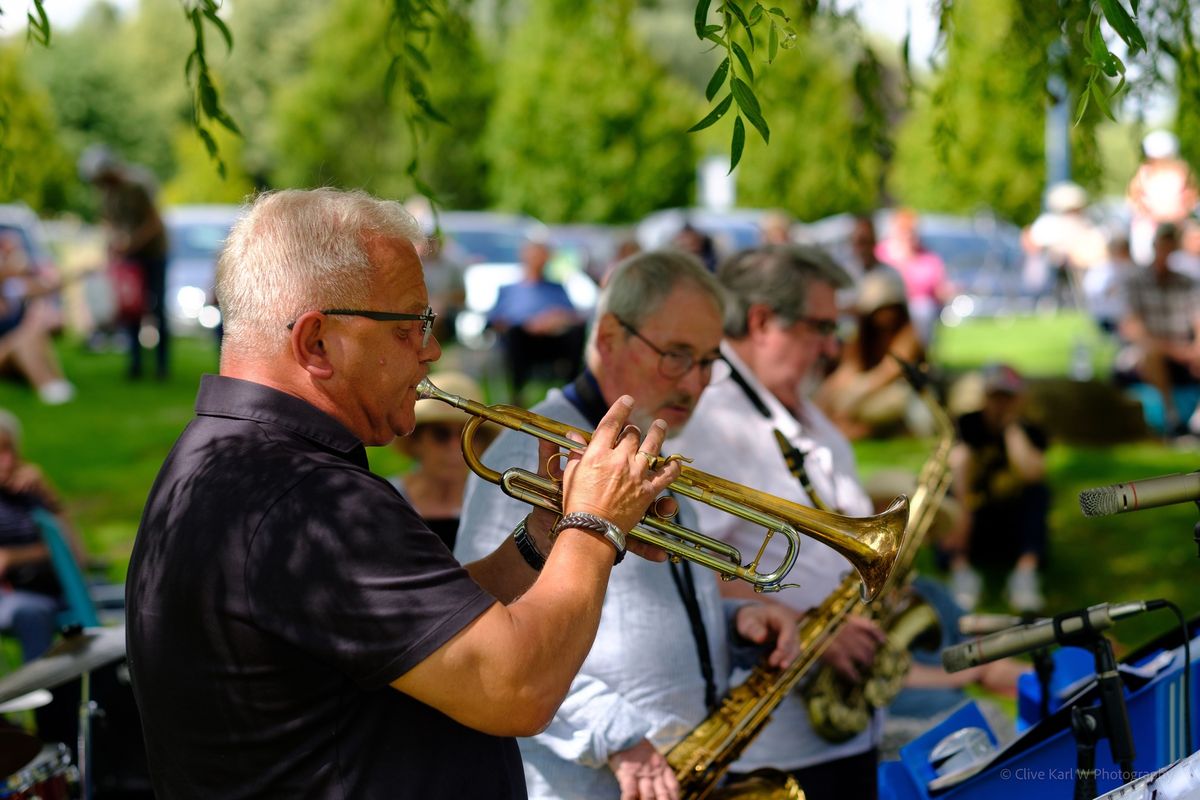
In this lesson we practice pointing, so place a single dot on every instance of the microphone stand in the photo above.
(1043, 668)
(1107, 719)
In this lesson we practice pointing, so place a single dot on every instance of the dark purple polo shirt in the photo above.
(276, 588)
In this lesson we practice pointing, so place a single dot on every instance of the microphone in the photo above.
(1148, 493)
(981, 624)
(1062, 629)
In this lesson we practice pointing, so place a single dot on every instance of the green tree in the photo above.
(101, 93)
(335, 125)
(39, 171)
(978, 139)
(195, 180)
(821, 159)
(587, 127)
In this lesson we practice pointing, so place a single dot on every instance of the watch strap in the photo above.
(595, 524)
(526, 546)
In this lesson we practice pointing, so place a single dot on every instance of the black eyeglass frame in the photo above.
(687, 360)
(428, 317)
(820, 326)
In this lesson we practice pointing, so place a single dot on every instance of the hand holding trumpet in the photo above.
(616, 476)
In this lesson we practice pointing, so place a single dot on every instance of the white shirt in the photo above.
(642, 678)
(727, 436)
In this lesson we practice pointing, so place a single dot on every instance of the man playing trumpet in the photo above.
(294, 628)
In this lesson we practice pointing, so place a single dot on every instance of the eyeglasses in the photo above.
(673, 363)
(823, 327)
(428, 318)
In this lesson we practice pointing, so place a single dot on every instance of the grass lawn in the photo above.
(104, 449)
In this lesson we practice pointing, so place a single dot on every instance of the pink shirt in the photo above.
(923, 272)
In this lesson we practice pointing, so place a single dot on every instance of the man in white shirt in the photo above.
(779, 325)
(662, 657)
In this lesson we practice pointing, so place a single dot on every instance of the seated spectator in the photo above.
(999, 467)
(26, 323)
(30, 597)
(537, 322)
(435, 484)
(1161, 323)
(1186, 259)
(867, 393)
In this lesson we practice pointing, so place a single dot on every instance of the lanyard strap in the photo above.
(584, 394)
(792, 456)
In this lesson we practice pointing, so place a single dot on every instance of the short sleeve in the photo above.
(344, 569)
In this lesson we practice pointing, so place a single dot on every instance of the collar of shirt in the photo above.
(233, 398)
(806, 434)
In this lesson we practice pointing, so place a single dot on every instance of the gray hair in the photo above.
(637, 286)
(777, 276)
(296, 250)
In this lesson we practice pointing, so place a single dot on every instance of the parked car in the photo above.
(983, 257)
(488, 245)
(196, 233)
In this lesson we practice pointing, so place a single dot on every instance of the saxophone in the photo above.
(839, 710)
(701, 759)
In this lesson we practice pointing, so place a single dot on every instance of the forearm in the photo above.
(21, 555)
(549, 631)
(1027, 460)
(504, 573)
(508, 671)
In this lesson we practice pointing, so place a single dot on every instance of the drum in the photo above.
(49, 776)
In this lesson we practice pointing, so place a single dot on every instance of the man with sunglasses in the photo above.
(780, 328)
(294, 628)
(662, 655)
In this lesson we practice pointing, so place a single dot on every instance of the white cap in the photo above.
(1066, 196)
(1160, 144)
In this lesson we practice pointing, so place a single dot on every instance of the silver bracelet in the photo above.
(526, 546)
(595, 524)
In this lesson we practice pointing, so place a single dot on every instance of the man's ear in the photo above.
(607, 328)
(310, 345)
(757, 317)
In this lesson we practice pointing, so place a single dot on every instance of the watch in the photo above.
(526, 546)
(595, 524)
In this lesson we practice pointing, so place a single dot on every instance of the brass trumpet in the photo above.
(870, 544)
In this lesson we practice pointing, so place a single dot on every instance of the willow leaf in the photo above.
(738, 143)
(748, 103)
(743, 59)
(1123, 24)
(717, 80)
(713, 115)
(702, 7)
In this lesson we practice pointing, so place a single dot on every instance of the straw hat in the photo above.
(880, 288)
(459, 383)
